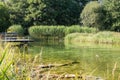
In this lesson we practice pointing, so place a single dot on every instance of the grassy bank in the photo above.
(97, 38)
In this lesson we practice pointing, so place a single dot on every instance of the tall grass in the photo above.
(79, 29)
(100, 37)
(6, 60)
(15, 65)
(57, 31)
(46, 31)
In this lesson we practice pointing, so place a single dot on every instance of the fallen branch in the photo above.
(67, 76)
(56, 65)
(58, 76)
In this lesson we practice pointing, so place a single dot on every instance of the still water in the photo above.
(102, 61)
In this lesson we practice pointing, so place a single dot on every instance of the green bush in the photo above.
(17, 29)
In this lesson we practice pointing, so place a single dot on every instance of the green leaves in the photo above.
(61, 12)
(18, 11)
(44, 12)
(17, 29)
(92, 15)
(112, 8)
(4, 17)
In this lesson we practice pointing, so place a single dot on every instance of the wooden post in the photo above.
(26, 48)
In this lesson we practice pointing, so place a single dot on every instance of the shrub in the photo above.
(17, 29)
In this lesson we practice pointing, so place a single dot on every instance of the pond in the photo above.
(101, 61)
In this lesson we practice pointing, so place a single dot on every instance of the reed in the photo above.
(57, 31)
(46, 31)
(79, 29)
(6, 60)
(98, 38)
(15, 65)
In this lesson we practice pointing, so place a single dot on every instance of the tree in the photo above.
(112, 8)
(25, 12)
(61, 12)
(45, 12)
(93, 15)
(18, 11)
(35, 12)
(4, 17)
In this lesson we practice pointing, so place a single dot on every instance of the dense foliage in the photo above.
(16, 29)
(4, 17)
(61, 12)
(45, 12)
(103, 14)
(18, 11)
(92, 15)
(112, 21)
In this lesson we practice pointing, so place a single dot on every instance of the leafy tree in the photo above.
(17, 10)
(93, 15)
(25, 12)
(35, 12)
(61, 12)
(112, 8)
(4, 17)
(45, 12)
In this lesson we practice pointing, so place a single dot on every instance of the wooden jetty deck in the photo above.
(13, 37)
(17, 40)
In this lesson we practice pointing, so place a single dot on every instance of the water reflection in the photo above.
(91, 59)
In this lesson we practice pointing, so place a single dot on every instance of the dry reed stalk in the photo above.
(113, 71)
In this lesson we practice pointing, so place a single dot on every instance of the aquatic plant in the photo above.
(58, 31)
(100, 37)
